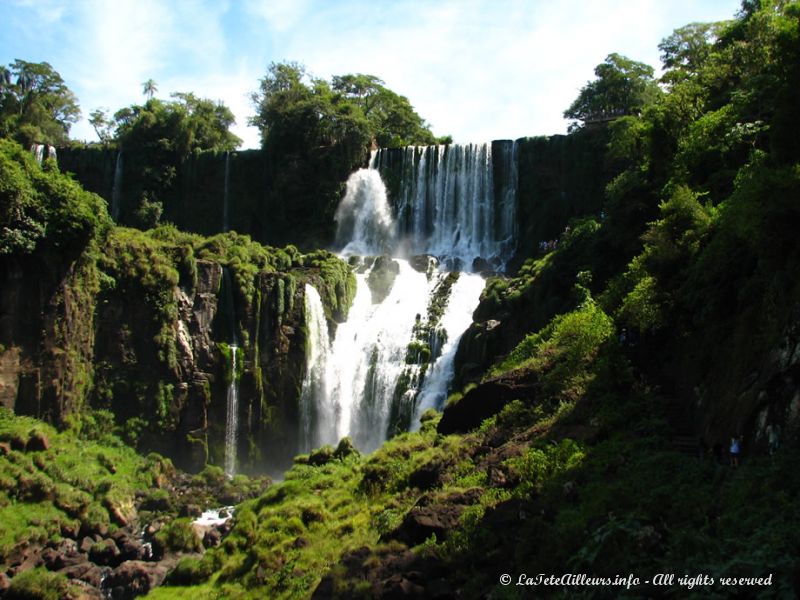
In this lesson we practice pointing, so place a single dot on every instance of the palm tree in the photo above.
(149, 88)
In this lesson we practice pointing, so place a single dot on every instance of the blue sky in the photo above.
(476, 69)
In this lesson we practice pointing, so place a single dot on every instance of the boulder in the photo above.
(135, 578)
(105, 553)
(85, 571)
(421, 522)
(37, 442)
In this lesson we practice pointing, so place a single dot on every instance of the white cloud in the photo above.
(478, 69)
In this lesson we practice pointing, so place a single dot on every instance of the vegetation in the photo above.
(76, 479)
(36, 106)
(671, 313)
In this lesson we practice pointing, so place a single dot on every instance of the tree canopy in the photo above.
(180, 126)
(294, 110)
(36, 106)
(623, 87)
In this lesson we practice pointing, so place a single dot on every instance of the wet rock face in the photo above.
(381, 278)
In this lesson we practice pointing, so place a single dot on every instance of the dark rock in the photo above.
(5, 448)
(325, 590)
(190, 510)
(105, 553)
(212, 538)
(130, 548)
(422, 263)
(74, 558)
(51, 559)
(135, 578)
(505, 516)
(70, 530)
(482, 402)
(420, 523)
(37, 442)
(398, 586)
(381, 278)
(5, 582)
(86, 571)
(345, 448)
(118, 514)
(86, 544)
(300, 542)
(440, 589)
(427, 476)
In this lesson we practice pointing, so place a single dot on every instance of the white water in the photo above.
(232, 417)
(214, 516)
(116, 189)
(457, 317)
(364, 219)
(350, 383)
(450, 206)
(51, 153)
(317, 411)
(38, 152)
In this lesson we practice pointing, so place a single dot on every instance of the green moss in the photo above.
(39, 584)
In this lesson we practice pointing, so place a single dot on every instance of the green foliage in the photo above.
(176, 127)
(178, 536)
(562, 351)
(40, 584)
(296, 112)
(71, 482)
(41, 206)
(36, 106)
(623, 87)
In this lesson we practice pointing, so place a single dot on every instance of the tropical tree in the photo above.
(623, 87)
(35, 104)
(149, 88)
(102, 124)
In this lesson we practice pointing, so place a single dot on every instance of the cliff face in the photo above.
(292, 199)
(277, 201)
(45, 337)
(83, 334)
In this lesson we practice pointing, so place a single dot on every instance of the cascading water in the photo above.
(317, 412)
(449, 205)
(232, 416)
(394, 356)
(51, 153)
(38, 152)
(364, 218)
(116, 189)
(232, 397)
(455, 320)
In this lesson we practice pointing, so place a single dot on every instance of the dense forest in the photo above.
(625, 403)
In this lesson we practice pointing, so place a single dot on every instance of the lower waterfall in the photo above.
(232, 417)
(361, 383)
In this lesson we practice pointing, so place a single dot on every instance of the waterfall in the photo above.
(232, 416)
(364, 219)
(393, 358)
(232, 396)
(368, 355)
(455, 320)
(317, 412)
(457, 202)
(51, 153)
(38, 152)
(506, 224)
(116, 189)
(225, 209)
